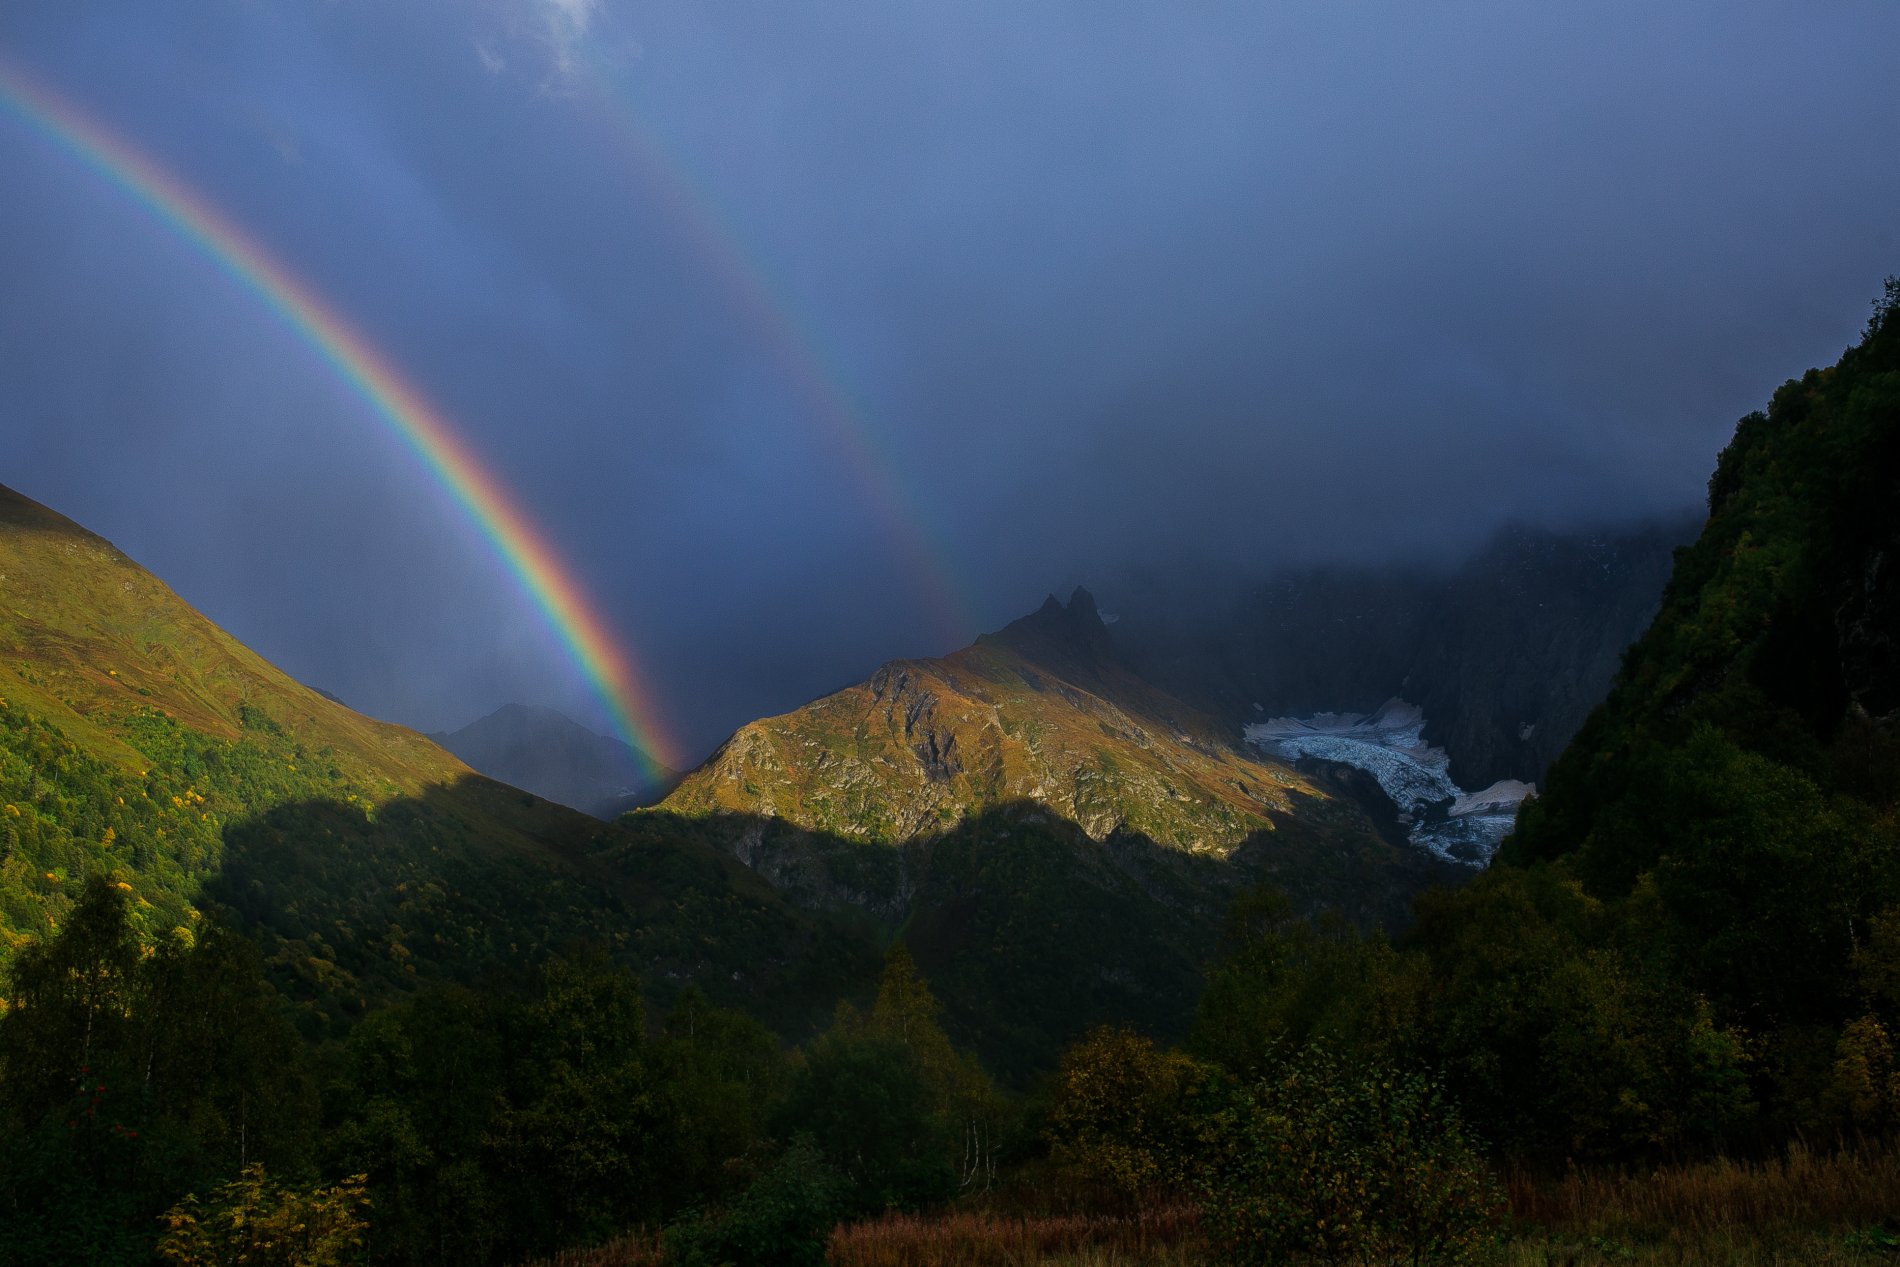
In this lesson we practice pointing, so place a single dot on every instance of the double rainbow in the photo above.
(443, 454)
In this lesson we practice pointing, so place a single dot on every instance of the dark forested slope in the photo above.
(1692, 942)
(1779, 633)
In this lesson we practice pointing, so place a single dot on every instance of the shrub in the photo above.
(1121, 1114)
(1367, 1166)
(254, 1221)
(781, 1220)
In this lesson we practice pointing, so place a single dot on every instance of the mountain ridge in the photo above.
(1057, 839)
(544, 751)
(1041, 711)
(149, 640)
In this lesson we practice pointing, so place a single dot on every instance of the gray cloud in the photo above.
(1212, 284)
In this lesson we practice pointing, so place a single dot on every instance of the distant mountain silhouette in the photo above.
(1507, 651)
(555, 757)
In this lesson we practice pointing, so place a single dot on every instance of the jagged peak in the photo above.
(1059, 635)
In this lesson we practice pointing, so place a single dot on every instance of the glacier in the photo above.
(1389, 744)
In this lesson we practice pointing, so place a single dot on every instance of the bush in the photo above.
(1364, 1166)
(1122, 1114)
(254, 1221)
(864, 1103)
(782, 1219)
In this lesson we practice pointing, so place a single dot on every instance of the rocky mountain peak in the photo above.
(1056, 636)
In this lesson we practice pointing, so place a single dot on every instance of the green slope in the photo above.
(1779, 633)
(1692, 942)
(90, 640)
(139, 740)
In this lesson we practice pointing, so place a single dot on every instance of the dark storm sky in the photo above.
(1225, 282)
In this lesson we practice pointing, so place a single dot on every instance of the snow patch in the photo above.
(1502, 797)
(1389, 744)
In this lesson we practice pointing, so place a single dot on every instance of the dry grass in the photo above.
(1802, 1188)
(1165, 1238)
(636, 1249)
(1737, 1247)
(1160, 1238)
(1805, 1208)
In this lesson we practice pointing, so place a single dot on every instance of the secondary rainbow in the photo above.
(840, 421)
(444, 455)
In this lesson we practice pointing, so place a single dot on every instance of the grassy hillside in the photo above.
(91, 640)
(140, 741)
(133, 730)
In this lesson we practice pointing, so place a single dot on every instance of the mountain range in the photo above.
(1057, 838)
(1053, 819)
(234, 912)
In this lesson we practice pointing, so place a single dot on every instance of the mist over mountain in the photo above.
(1506, 650)
(997, 299)
(554, 756)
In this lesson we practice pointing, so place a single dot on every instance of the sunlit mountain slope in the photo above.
(139, 740)
(1042, 712)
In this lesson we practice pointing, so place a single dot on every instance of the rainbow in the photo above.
(840, 420)
(423, 430)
